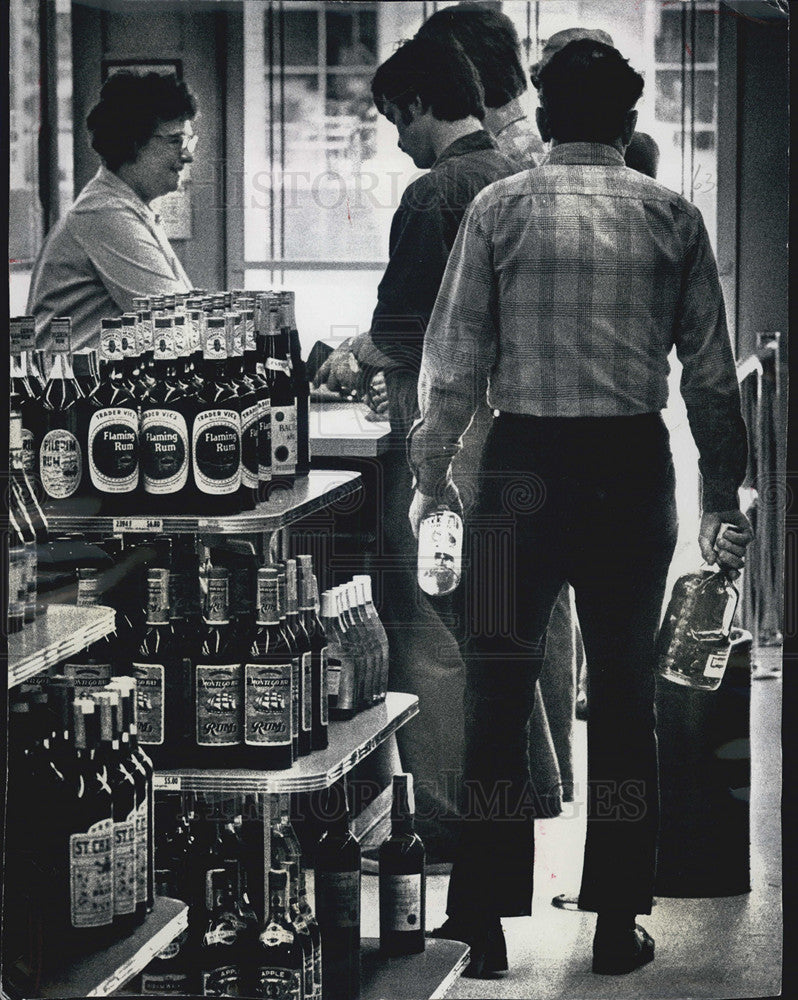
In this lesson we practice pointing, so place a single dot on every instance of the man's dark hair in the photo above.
(490, 41)
(439, 74)
(586, 90)
(130, 109)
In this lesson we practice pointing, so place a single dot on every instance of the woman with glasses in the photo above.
(110, 247)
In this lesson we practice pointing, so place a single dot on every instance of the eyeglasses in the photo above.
(179, 140)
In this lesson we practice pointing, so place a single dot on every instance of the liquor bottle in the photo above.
(353, 663)
(218, 677)
(370, 650)
(440, 552)
(299, 378)
(128, 342)
(60, 451)
(278, 957)
(112, 446)
(378, 630)
(90, 669)
(85, 368)
(163, 678)
(216, 434)
(296, 673)
(314, 930)
(123, 790)
(301, 929)
(260, 322)
(247, 389)
(145, 340)
(28, 516)
(268, 688)
(296, 626)
(27, 383)
(283, 404)
(89, 845)
(170, 972)
(335, 655)
(337, 871)
(165, 430)
(223, 948)
(402, 887)
(318, 654)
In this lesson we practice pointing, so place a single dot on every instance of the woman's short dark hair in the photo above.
(130, 109)
(490, 41)
(586, 90)
(439, 74)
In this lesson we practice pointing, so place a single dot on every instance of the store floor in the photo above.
(706, 948)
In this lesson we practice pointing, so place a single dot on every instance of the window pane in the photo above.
(301, 37)
(705, 41)
(706, 88)
(24, 210)
(668, 45)
(351, 38)
(668, 102)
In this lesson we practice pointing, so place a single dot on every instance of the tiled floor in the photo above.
(706, 948)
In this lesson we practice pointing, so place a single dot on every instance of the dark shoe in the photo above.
(619, 952)
(486, 941)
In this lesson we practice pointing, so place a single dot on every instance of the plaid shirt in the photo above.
(515, 135)
(564, 293)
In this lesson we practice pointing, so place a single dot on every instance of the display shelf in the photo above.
(343, 430)
(431, 973)
(61, 632)
(318, 490)
(106, 970)
(350, 742)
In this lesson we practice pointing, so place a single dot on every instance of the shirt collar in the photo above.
(467, 144)
(498, 119)
(588, 153)
(110, 179)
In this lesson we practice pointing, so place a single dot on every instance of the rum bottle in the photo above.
(60, 451)
(318, 654)
(402, 887)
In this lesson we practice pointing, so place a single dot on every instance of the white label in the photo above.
(164, 451)
(147, 525)
(307, 693)
(333, 678)
(149, 699)
(60, 461)
(114, 450)
(167, 782)
(400, 903)
(278, 984)
(111, 344)
(91, 875)
(277, 365)
(216, 451)
(142, 849)
(716, 663)
(338, 898)
(125, 870)
(267, 704)
(283, 425)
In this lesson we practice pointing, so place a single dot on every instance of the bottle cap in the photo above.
(328, 608)
(365, 579)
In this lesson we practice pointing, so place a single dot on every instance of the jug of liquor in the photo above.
(695, 638)
(440, 552)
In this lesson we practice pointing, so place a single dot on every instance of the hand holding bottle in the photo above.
(727, 547)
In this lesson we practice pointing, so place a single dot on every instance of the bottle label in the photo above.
(338, 898)
(142, 849)
(61, 333)
(164, 451)
(250, 418)
(111, 344)
(87, 591)
(400, 902)
(268, 704)
(60, 460)
(265, 440)
(215, 346)
(164, 984)
(114, 450)
(716, 663)
(333, 677)
(325, 686)
(307, 693)
(216, 451)
(91, 875)
(172, 950)
(284, 450)
(88, 675)
(218, 701)
(127, 338)
(250, 341)
(28, 450)
(149, 701)
(278, 984)
(125, 871)
(221, 982)
(278, 365)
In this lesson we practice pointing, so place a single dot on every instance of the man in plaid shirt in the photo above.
(564, 293)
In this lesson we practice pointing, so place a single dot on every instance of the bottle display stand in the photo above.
(61, 632)
(106, 970)
(350, 742)
(428, 974)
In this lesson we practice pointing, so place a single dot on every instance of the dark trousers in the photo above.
(591, 502)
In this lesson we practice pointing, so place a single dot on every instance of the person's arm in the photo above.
(124, 251)
(712, 398)
(460, 349)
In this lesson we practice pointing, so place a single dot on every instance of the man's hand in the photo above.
(340, 372)
(424, 505)
(377, 395)
(728, 551)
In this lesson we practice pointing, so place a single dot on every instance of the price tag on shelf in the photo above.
(167, 782)
(146, 525)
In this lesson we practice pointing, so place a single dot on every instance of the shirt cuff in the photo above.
(719, 495)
